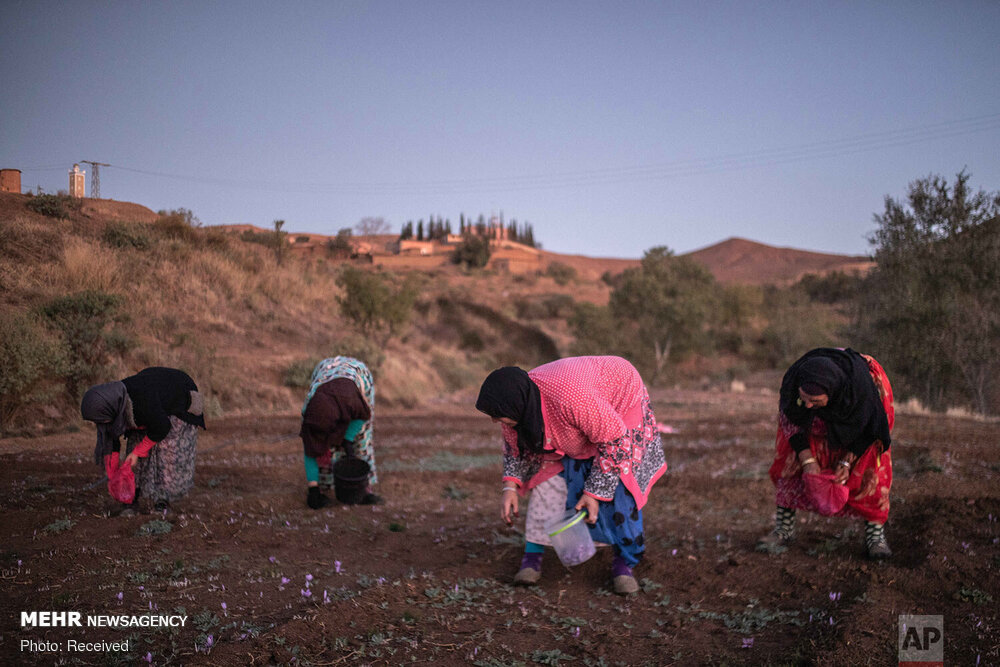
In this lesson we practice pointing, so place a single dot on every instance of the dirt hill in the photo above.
(743, 261)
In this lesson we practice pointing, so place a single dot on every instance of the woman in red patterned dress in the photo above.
(834, 424)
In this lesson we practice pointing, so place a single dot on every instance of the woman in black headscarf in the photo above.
(834, 432)
(580, 434)
(158, 410)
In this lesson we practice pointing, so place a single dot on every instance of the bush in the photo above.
(473, 252)
(54, 206)
(180, 224)
(834, 287)
(124, 236)
(299, 373)
(263, 238)
(377, 309)
(340, 245)
(363, 349)
(87, 321)
(30, 361)
(561, 273)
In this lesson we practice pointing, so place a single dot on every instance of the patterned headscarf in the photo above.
(107, 406)
(509, 392)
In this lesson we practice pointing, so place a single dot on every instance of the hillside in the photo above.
(747, 262)
(207, 299)
(733, 261)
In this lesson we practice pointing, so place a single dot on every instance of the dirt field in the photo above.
(425, 578)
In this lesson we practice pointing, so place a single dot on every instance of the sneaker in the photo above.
(372, 499)
(625, 584)
(775, 542)
(879, 549)
(527, 576)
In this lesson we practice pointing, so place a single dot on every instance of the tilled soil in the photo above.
(426, 577)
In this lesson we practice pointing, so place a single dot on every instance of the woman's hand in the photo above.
(809, 464)
(591, 504)
(843, 468)
(508, 505)
(131, 459)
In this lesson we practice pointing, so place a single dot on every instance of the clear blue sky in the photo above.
(611, 127)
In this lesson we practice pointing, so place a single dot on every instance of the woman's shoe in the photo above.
(531, 570)
(775, 542)
(879, 549)
(626, 584)
(622, 577)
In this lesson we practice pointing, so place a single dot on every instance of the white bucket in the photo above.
(571, 538)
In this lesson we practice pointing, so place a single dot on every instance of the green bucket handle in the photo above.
(575, 520)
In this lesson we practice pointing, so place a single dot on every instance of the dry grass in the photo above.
(913, 406)
(87, 266)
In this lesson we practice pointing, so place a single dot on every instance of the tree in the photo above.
(473, 252)
(372, 227)
(341, 244)
(420, 230)
(407, 232)
(379, 310)
(279, 241)
(930, 310)
(667, 301)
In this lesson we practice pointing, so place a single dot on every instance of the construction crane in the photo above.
(95, 177)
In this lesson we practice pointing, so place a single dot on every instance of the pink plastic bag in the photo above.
(121, 479)
(828, 496)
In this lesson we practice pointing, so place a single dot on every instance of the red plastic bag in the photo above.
(828, 496)
(121, 479)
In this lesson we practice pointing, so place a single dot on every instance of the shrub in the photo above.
(29, 363)
(53, 206)
(124, 235)
(87, 321)
(558, 305)
(834, 287)
(298, 374)
(263, 238)
(561, 273)
(180, 224)
(378, 310)
(364, 349)
(473, 252)
(340, 245)
(471, 340)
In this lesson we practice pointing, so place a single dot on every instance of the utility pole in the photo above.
(95, 177)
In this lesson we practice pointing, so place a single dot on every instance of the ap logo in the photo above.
(921, 641)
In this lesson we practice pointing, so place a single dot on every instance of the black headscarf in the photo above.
(106, 406)
(854, 414)
(509, 392)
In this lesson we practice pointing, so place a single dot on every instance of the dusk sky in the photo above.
(611, 127)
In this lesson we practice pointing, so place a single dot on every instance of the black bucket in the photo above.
(350, 479)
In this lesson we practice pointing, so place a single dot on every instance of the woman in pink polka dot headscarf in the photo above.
(579, 433)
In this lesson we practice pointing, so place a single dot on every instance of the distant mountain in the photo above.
(737, 260)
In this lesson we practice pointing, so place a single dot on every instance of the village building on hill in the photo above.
(505, 254)
(408, 253)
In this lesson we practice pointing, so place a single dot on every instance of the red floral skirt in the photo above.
(871, 475)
